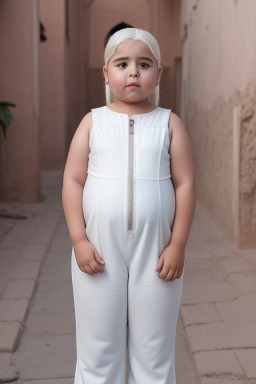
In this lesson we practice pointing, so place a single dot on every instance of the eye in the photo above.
(144, 65)
(122, 65)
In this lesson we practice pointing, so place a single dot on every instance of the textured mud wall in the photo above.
(218, 75)
(211, 134)
(248, 168)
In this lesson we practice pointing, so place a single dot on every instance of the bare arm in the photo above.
(183, 178)
(75, 175)
(171, 261)
(74, 178)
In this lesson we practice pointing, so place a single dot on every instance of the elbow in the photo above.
(63, 184)
(194, 192)
(193, 187)
(189, 189)
(63, 195)
(64, 189)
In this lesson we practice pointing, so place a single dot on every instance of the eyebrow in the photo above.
(127, 58)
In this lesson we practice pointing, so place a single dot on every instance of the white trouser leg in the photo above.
(152, 318)
(101, 317)
(153, 303)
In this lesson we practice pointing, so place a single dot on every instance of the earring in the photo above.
(107, 83)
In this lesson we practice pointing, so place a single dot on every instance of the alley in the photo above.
(51, 76)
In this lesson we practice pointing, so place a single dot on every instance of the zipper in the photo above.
(130, 178)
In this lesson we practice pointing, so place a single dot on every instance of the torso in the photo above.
(170, 130)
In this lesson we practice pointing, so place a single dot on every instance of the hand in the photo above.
(171, 262)
(87, 257)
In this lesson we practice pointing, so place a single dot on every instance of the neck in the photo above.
(132, 108)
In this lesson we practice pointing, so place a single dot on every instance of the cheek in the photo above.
(116, 79)
(150, 79)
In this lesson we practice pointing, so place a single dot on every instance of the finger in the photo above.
(98, 258)
(89, 270)
(164, 272)
(169, 275)
(82, 269)
(160, 264)
(180, 274)
(175, 274)
(85, 269)
(96, 267)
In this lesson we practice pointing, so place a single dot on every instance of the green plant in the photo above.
(5, 115)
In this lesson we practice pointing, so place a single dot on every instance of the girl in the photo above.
(129, 199)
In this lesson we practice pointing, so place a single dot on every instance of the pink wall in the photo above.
(76, 67)
(219, 98)
(63, 77)
(55, 89)
(52, 85)
(20, 152)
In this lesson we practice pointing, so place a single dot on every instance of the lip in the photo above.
(133, 85)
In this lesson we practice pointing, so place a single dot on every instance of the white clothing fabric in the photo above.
(129, 291)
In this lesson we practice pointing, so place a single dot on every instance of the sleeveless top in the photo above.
(114, 147)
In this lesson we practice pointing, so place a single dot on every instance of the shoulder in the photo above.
(82, 133)
(84, 127)
(86, 120)
(175, 124)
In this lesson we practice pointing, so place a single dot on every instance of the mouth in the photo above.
(133, 85)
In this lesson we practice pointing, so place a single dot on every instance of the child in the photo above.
(128, 221)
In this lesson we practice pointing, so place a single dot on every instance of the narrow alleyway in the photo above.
(37, 312)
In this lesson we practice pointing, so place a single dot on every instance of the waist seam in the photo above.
(126, 178)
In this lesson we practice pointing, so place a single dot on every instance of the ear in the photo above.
(160, 70)
(105, 72)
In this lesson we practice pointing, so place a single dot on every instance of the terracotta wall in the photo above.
(76, 66)
(166, 23)
(19, 83)
(52, 85)
(218, 108)
(63, 76)
(55, 83)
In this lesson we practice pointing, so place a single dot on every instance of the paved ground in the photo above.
(216, 338)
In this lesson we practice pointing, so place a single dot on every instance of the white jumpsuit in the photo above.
(128, 207)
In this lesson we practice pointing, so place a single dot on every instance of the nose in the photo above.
(134, 71)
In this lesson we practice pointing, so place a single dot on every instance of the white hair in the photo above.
(135, 34)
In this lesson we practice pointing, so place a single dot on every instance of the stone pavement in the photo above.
(26, 231)
(216, 338)
(219, 305)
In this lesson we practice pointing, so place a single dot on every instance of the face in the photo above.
(132, 63)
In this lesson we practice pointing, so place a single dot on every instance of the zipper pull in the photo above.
(131, 128)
